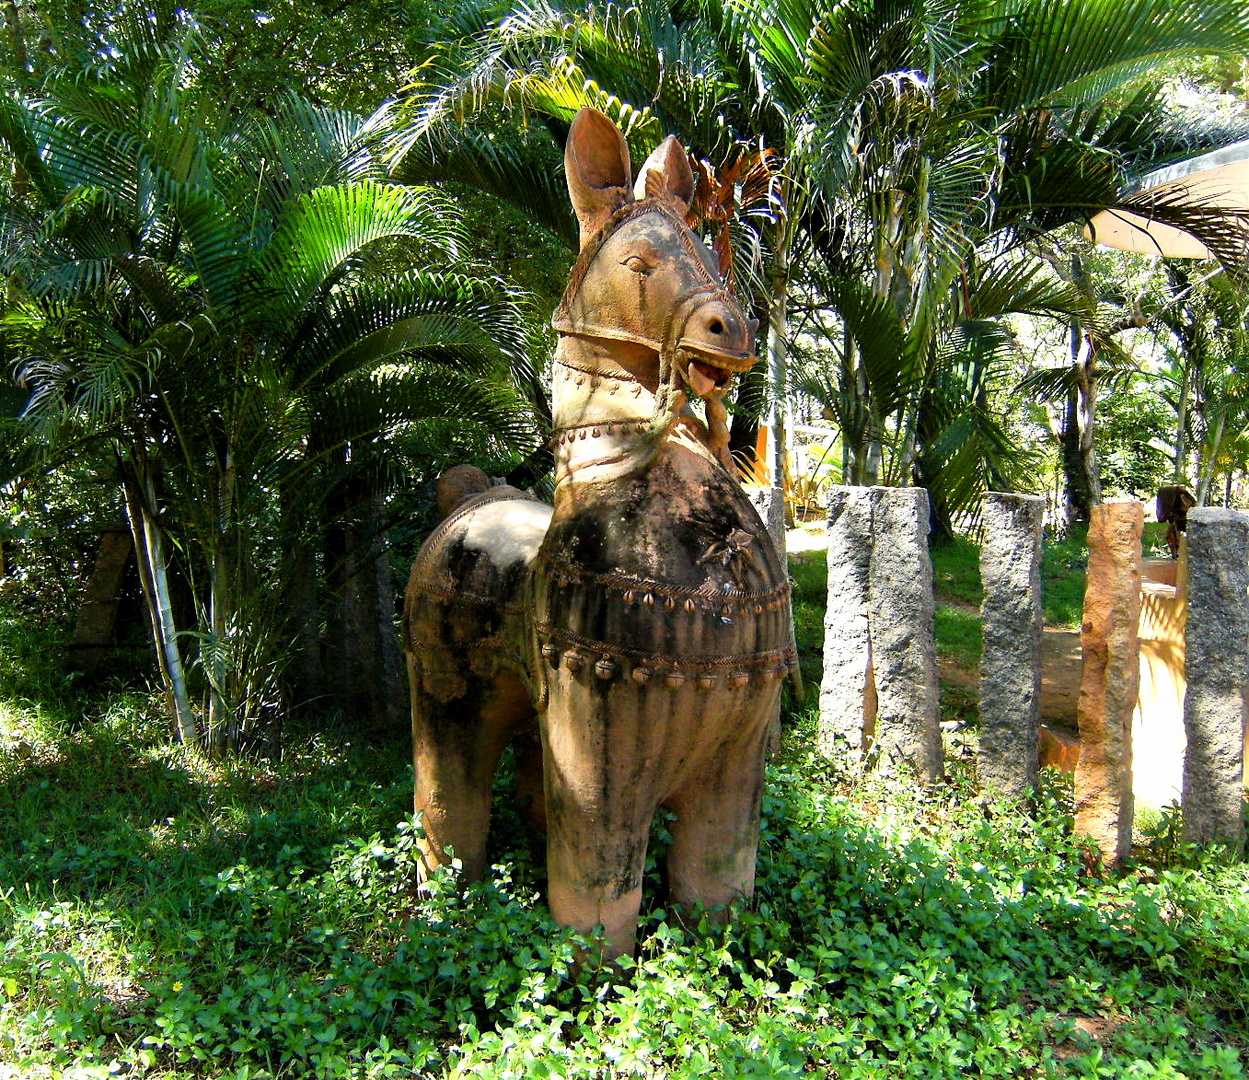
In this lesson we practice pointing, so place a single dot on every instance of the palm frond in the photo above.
(445, 318)
(327, 230)
(1068, 51)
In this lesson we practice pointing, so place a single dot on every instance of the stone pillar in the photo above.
(97, 615)
(1217, 653)
(879, 700)
(847, 692)
(769, 504)
(1108, 688)
(1010, 664)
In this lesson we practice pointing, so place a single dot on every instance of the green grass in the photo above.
(168, 917)
(956, 572)
(958, 635)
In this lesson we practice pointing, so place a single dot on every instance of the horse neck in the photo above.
(606, 404)
(602, 400)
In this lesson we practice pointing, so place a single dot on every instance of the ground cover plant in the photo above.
(163, 915)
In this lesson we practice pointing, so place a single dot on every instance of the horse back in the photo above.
(463, 609)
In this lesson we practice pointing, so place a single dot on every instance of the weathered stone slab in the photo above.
(879, 699)
(1217, 652)
(1108, 688)
(904, 652)
(769, 503)
(1010, 663)
(97, 615)
(847, 692)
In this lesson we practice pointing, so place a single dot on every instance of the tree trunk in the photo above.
(222, 733)
(139, 488)
(1207, 473)
(1082, 484)
(778, 357)
(1180, 473)
(1079, 449)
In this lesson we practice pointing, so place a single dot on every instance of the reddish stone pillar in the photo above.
(1108, 689)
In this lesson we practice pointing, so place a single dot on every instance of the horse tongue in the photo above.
(701, 382)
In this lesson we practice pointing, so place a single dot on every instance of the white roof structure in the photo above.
(1216, 179)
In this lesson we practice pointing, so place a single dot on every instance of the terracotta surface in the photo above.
(642, 626)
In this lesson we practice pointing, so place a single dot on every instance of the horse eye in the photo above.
(637, 264)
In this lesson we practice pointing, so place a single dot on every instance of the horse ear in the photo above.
(667, 173)
(596, 161)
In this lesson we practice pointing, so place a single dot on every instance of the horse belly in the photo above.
(664, 628)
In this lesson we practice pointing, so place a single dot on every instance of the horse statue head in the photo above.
(644, 300)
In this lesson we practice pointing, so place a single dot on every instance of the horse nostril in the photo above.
(715, 326)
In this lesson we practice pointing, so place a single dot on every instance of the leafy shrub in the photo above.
(166, 916)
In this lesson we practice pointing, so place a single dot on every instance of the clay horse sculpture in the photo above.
(632, 640)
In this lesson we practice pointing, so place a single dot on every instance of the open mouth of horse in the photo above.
(709, 373)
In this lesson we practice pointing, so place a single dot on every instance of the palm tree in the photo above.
(227, 307)
(908, 136)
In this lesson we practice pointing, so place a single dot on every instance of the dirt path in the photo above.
(1061, 663)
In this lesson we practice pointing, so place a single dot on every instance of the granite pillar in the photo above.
(1217, 662)
(769, 503)
(847, 692)
(879, 705)
(1010, 663)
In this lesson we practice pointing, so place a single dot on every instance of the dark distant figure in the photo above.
(1174, 502)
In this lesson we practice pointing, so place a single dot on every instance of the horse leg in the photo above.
(716, 831)
(456, 746)
(599, 808)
